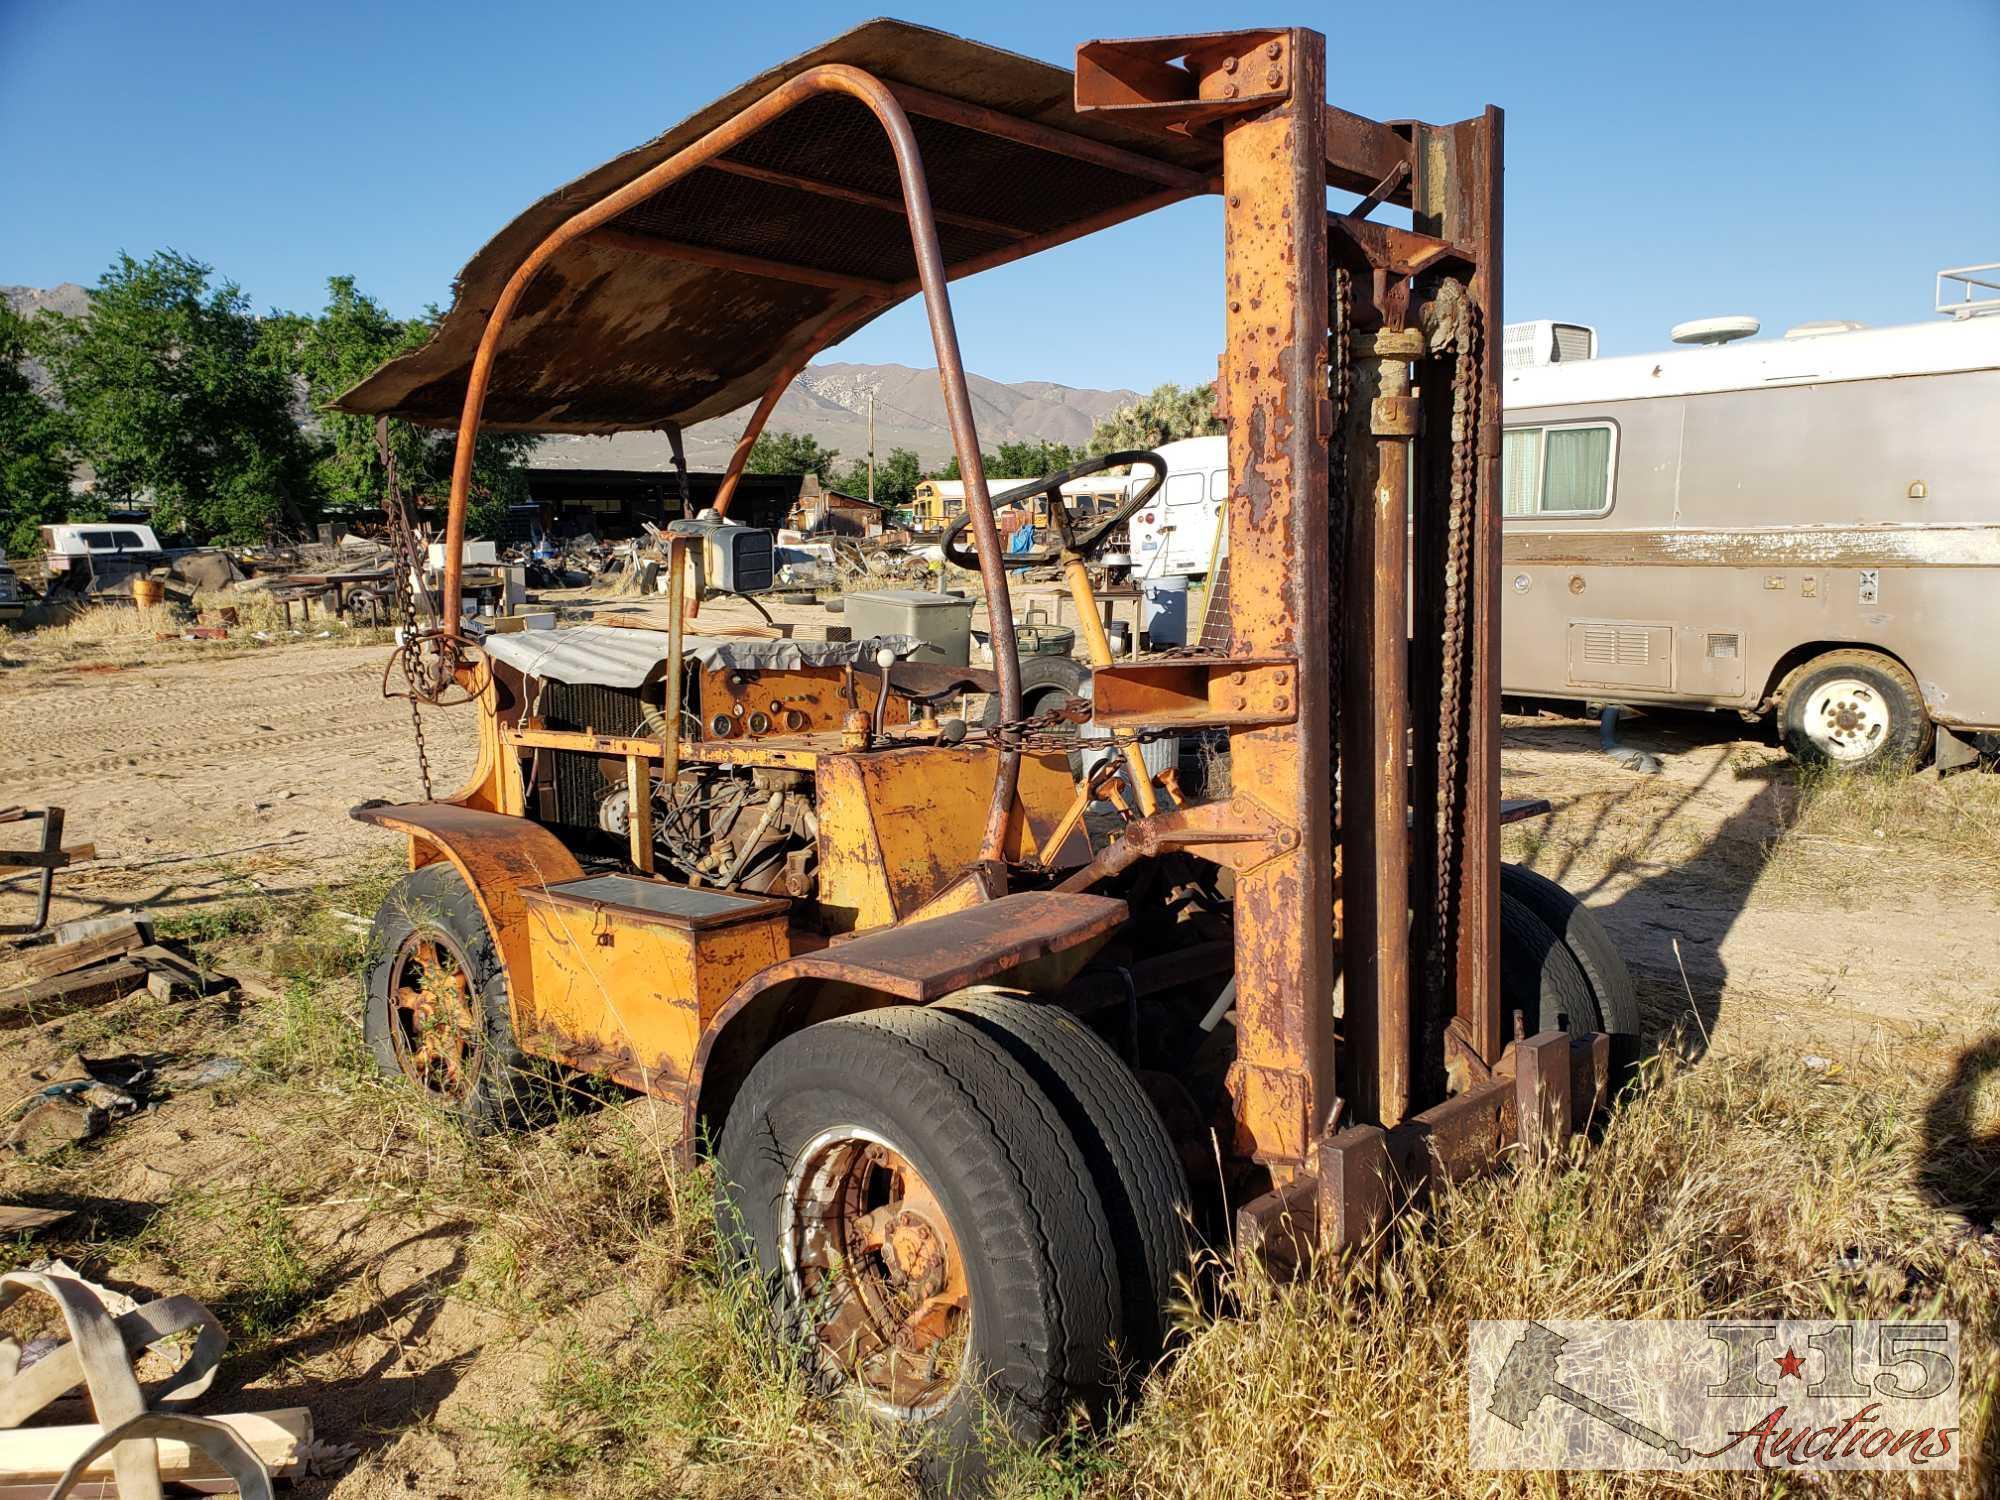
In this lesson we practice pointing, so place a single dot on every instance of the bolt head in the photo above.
(1272, 76)
(1273, 50)
(1229, 91)
(1229, 65)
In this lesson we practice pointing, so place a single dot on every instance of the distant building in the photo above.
(824, 512)
(615, 503)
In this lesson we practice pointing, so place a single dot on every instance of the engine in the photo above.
(731, 827)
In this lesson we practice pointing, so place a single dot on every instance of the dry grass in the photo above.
(1740, 1186)
(1853, 836)
(1737, 1188)
(124, 633)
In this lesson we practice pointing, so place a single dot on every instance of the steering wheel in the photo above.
(1078, 543)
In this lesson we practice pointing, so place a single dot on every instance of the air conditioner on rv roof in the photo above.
(1545, 343)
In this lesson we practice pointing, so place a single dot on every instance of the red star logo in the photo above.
(1791, 1364)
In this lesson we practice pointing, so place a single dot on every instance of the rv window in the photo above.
(100, 541)
(1557, 470)
(1183, 489)
(128, 541)
(1218, 485)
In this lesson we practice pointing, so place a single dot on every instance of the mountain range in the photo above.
(830, 401)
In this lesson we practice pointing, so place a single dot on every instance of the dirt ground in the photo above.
(409, 1316)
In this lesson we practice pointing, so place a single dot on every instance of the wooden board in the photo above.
(32, 1004)
(61, 958)
(19, 1218)
(33, 1458)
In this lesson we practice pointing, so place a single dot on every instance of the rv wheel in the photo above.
(1854, 710)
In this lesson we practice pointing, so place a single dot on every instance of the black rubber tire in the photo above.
(1908, 738)
(508, 1091)
(1040, 1264)
(1046, 682)
(1538, 977)
(1584, 936)
(1133, 1163)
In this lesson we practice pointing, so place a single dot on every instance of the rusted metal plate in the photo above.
(609, 339)
(894, 830)
(925, 961)
(1192, 694)
(1274, 382)
(622, 993)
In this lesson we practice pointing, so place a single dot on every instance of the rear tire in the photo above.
(1133, 1163)
(1853, 710)
(1584, 936)
(1539, 978)
(452, 1041)
(995, 1204)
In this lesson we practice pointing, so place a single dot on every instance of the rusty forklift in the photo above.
(970, 1065)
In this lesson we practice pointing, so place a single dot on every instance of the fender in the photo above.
(496, 856)
(914, 963)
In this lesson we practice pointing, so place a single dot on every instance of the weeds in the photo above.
(235, 1250)
(1853, 834)
(1741, 1187)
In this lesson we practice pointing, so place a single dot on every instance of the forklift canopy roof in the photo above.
(689, 304)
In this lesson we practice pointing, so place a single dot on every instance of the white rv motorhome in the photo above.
(1807, 526)
(1176, 534)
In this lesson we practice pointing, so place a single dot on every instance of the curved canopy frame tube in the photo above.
(882, 102)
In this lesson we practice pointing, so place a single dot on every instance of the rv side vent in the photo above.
(1723, 645)
(1616, 646)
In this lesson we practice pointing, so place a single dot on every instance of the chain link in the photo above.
(1341, 379)
(420, 652)
(1465, 398)
(1059, 729)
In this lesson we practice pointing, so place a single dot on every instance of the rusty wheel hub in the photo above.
(433, 1021)
(876, 1266)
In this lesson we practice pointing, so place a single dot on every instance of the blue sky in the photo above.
(1784, 159)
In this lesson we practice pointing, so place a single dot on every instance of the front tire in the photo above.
(1854, 710)
(1579, 931)
(1539, 978)
(926, 1224)
(1136, 1170)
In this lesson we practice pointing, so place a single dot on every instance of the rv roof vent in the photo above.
(1714, 330)
(1823, 325)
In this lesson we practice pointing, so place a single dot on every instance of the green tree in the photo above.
(791, 453)
(1165, 415)
(896, 479)
(34, 452)
(987, 461)
(329, 353)
(1033, 458)
(171, 394)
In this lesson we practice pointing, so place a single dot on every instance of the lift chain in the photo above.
(1465, 396)
(1340, 377)
(1056, 729)
(415, 643)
